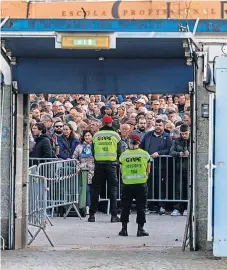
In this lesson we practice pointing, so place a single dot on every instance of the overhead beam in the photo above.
(117, 25)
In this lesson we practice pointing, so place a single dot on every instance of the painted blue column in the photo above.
(220, 180)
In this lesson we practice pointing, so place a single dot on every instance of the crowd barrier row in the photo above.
(55, 183)
(62, 184)
(37, 206)
(169, 181)
(52, 184)
(37, 161)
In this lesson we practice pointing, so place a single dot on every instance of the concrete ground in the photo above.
(71, 232)
(83, 245)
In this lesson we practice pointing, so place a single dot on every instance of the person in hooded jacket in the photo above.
(42, 148)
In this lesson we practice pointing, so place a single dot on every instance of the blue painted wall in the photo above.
(108, 76)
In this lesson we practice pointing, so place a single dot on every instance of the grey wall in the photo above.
(201, 181)
(21, 171)
(24, 222)
(21, 167)
(5, 163)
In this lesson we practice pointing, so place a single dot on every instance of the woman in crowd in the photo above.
(169, 100)
(33, 133)
(83, 153)
(68, 142)
(176, 99)
(34, 130)
(169, 126)
(121, 111)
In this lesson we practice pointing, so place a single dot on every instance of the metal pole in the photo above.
(13, 172)
(195, 26)
(4, 21)
(193, 161)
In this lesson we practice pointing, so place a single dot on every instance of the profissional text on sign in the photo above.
(116, 9)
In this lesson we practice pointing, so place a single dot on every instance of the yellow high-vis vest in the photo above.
(134, 166)
(105, 145)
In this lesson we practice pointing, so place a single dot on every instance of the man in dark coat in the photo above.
(157, 143)
(180, 150)
(42, 147)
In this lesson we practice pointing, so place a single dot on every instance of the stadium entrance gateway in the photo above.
(101, 57)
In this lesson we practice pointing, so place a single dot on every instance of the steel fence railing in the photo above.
(2, 243)
(106, 199)
(33, 169)
(169, 181)
(37, 161)
(37, 205)
(62, 184)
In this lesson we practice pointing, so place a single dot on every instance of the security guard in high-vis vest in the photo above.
(135, 168)
(107, 148)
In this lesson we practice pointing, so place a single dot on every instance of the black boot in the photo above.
(91, 218)
(115, 219)
(141, 231)
(124, 231)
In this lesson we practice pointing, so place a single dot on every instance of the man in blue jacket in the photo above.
(157, 143)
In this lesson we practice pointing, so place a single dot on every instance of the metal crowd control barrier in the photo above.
(37, 198)
(62, 184)
(37, 161)
(106, 199)
(168, 181)
(33, 169)
(2, 243)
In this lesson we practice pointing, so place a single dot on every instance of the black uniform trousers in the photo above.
(103, 172)
(139, 193)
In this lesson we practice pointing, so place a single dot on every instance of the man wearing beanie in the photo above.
(107, 148)
(135, 168)
(181, 150)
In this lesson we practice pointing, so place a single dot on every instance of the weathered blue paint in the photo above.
(138, 67)
(116, 25)
(113, 76)
(126, 48)
(220, 179)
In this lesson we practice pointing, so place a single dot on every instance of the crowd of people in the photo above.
(63, 126)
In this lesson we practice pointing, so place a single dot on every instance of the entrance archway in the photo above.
(154, 63)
